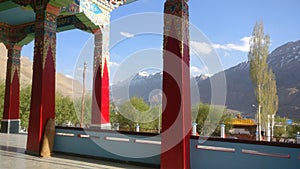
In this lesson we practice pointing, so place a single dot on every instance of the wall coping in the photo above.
(232, 140)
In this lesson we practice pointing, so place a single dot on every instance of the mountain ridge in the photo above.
(284, 61)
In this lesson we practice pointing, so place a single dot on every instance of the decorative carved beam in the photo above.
(21, 31)
(11, 34)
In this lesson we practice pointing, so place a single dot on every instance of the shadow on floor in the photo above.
(104, 161)
(12, 149)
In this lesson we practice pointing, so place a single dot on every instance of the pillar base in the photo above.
(10, 126)
(106, 126)
(37, 154)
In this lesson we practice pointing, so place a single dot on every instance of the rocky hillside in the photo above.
(285, 62)
(63, 84)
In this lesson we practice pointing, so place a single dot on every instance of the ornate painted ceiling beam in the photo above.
(24, 34)
(66, 21)
(62, 22)
(15, 35)
(74, 15)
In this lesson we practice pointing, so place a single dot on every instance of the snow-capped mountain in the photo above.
(143, 85)
(285, 62)
(286, 55)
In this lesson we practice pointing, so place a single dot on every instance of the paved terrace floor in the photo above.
(12, 156)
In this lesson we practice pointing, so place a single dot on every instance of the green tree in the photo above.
(262, 77)
(209, 118)
(133, 112)
(292, 130)
(199, 114)
(64, 107)
(269, 97)
(25, 97)
(65, 111)
(282, 129)
(87, 118)
(113, 114)
(87, 114)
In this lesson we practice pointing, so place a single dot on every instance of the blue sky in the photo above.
(227, 25)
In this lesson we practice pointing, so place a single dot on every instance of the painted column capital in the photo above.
(52, 9)
(13, 62)
(12, 35)
(179, 8)
(13, 46)
(96, 31)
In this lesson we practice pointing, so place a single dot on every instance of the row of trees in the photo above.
(282, 129)
(136, 111)
(262, 77)
(65, 108)
(208, 118)
(131, 112)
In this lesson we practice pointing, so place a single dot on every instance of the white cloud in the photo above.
(243, 47)
(196, 71)
(127, 35)
(200, 47)
(113, 64)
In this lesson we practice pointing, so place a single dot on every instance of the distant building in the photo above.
(243, 128)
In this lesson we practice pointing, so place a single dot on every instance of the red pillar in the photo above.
(43, 83)
(11, 114)
(176, 117)
(100, 100)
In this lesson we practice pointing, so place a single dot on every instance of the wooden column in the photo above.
(11, 114)
(176, 117)
(42, 105)
(100, 100)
